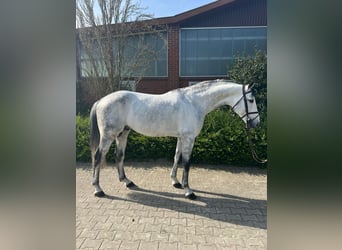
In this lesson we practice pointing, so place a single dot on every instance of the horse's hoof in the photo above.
(131, 185)
(99, 194)
(177, 185)
(191, 196)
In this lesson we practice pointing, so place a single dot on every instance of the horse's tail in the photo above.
(94, 130)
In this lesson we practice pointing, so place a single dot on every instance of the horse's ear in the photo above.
(250, 86)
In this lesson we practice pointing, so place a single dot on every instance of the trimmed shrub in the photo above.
(82, 139)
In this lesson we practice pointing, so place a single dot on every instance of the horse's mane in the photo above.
(204, 86)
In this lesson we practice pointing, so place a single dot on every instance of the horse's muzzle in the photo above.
(253, 123)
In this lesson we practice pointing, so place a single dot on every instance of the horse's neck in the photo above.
(217, 96)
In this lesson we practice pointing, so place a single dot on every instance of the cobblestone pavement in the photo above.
(229, 212)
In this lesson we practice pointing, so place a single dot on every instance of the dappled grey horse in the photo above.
(179, 113)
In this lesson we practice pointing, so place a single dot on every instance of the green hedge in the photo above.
(221, 141)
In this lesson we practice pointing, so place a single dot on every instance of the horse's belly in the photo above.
(155, 129)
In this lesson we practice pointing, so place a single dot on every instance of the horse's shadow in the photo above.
(221, 207)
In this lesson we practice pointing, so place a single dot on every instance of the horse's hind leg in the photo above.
(187, 145)
(99, 159)
(174, 179)
(121, 142)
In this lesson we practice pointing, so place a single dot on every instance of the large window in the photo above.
(148, 53)
(143, 55)
(210, 51)
(86, 63)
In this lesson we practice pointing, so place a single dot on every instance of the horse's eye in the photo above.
(251, 101)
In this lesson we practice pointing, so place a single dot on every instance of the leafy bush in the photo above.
(82, 139)
(141, 147)
(222, 140)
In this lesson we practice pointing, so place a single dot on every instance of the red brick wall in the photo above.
(173, 56)
(152, 85)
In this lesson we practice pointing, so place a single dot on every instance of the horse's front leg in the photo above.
(174, 179)
(187, 145)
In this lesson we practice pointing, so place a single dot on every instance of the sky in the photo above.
(165, 8)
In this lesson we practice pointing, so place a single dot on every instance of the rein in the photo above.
(251, 146)
(254, 154)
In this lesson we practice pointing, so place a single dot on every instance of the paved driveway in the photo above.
(229, 212)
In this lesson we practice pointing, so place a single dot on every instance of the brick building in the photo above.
(201, 43)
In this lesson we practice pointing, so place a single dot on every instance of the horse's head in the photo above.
(246, 107)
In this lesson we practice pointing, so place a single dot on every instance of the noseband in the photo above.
(247, 113)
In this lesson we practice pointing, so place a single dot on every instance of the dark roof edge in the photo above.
(188, 14)
(185, 15)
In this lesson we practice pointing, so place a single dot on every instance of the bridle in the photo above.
(247, 113)
(244, 98)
